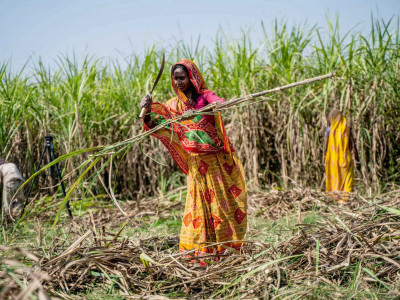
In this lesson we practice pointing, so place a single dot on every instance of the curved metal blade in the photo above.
(159, 73)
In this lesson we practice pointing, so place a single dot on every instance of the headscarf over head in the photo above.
(196, 136)
(334, 116)
(195, 78)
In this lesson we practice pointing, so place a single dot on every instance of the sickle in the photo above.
(144, 109)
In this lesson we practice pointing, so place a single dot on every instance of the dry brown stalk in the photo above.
(234, 102)
(363, 235)
(231, 103)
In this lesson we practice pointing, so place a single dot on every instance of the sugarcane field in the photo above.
(172, 150)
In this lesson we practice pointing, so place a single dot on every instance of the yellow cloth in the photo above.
(215, 205)
(338, 161)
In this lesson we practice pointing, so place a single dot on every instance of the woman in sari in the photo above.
(339, 143)
(216, 203)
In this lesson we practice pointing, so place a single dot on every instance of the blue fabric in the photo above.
(327, 131)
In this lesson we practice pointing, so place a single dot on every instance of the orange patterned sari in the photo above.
(216, 203)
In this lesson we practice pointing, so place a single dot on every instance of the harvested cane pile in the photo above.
(273, 204)
(347, 247)
(368, 240)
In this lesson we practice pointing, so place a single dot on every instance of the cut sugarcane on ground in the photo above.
(301, 244)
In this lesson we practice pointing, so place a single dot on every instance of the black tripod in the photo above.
(51, 156)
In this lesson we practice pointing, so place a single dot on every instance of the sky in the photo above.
(116, 28)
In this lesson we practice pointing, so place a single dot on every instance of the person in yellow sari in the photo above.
(339, 143)
(216, 203)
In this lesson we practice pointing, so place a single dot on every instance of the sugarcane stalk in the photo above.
(216, 106)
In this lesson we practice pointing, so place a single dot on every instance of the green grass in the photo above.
(87, 102)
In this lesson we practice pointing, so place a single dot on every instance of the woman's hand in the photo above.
(146, 101)
(187, 115)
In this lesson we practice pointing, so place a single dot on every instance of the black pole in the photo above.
(51, 157)
(59, 176)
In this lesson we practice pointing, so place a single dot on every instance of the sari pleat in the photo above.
(216, 204)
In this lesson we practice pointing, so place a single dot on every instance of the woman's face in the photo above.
(181, 79)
